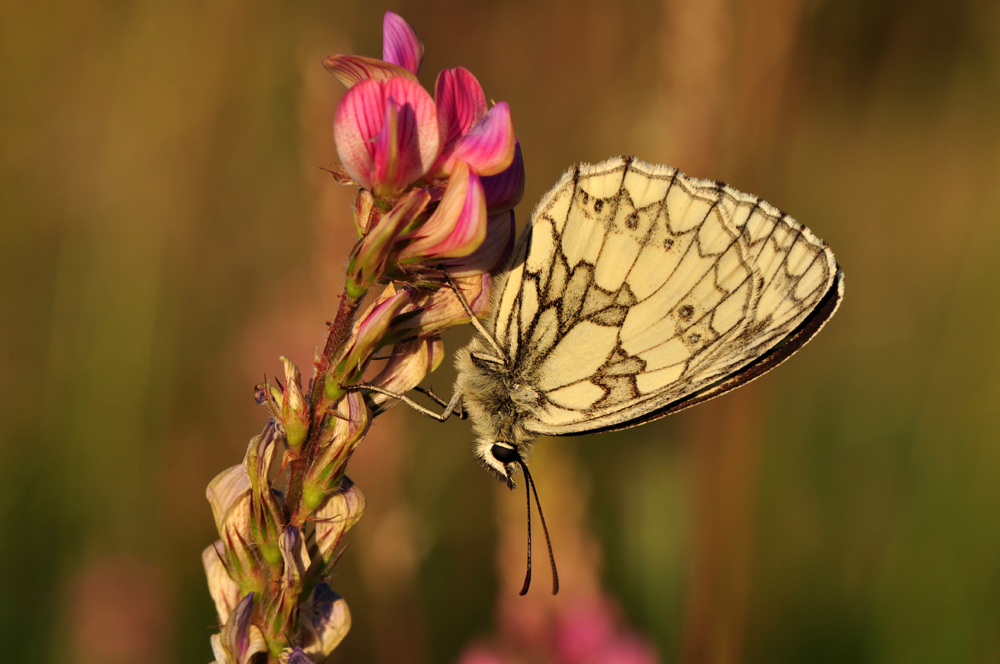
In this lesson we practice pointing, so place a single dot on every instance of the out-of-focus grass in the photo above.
(167, 233)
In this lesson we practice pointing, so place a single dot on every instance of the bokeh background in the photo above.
(167, 232)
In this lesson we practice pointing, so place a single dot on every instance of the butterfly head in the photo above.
(500, 459)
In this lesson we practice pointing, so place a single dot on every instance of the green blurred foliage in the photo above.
(167, 234)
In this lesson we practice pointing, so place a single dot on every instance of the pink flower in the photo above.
(402, 54)
(387, 134)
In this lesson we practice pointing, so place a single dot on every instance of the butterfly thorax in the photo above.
(497, 401)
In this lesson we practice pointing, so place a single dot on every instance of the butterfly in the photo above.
(635, 292)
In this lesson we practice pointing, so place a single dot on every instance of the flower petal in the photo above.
(488, 148)
(226, 494)
(410, 146)
(400, 44)
(460, 103)
(491, 254)
(458, 225)
(224, 591)
(505, 190)
(352, 69)
(326, 620)
(410, 363)
(336, 516)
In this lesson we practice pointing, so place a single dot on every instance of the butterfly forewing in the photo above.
(636, 288)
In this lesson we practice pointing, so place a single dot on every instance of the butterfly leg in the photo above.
(451, 407)
(475, 321)
(441, 402)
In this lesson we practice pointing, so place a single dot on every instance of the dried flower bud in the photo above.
(439, 309)
(240, 640)
(336, 516)
(326, 620)
(226, 494)
(230, 495)
(265, 512)
(366, 213)
(294, 656)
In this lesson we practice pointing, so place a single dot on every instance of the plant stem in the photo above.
(319, 403)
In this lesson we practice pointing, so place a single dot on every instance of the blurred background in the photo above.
(167, 232)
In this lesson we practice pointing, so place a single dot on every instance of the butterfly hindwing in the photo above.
(636, 289)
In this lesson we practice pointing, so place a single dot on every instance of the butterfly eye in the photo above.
(504, 454)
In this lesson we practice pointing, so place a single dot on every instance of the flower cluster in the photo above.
(437, 182)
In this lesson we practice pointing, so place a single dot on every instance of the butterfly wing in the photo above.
(637, 291)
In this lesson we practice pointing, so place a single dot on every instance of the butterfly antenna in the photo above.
(527, 494)
(545, 529)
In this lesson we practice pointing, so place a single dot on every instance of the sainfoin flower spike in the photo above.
(437, 179)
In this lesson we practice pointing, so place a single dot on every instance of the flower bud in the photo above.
(336, 516)
(368, 336)
(491, 254)
(288, 405)
(505, 189)
(370, 256)
(402, 54)
(400, 44)
(351, 421)
(488, 148)
(460, 105)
